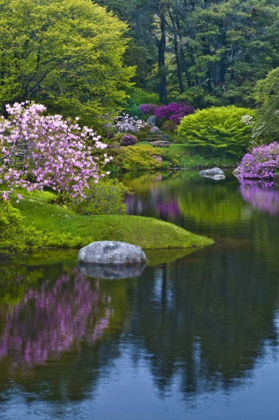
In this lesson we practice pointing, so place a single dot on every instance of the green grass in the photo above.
(64, 228)
(180, 156)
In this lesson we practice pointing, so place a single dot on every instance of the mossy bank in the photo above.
(144, 157)
(59, 227)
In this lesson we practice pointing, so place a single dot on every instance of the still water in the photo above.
(195, 336)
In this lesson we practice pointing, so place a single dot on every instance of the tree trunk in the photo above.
(161, 61)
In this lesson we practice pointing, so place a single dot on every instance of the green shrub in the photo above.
(134, 158)
(106, 197)
(139, 96)
(217, 131)
(14, 237)
(170, 126)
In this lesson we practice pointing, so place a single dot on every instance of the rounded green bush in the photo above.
(217, 131)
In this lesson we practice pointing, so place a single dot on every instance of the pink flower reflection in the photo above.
(54, 319)
(263, 198)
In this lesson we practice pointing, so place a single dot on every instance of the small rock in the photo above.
(160, 143)
(158, 159)
(111, 253)
(155, 130)
(151, 120)
(214, 173)
(236, 172)
(117, 272)
(276, 179)
(218, 177)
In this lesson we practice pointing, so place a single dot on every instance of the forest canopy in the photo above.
(205, 52)
(66, 54)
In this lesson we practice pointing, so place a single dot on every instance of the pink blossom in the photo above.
(38, 151)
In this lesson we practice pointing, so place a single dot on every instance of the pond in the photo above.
(194, 336)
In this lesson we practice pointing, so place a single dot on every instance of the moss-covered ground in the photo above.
(61, 227)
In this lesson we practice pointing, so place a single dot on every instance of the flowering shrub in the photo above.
(261, 163)
(174, 111)
(125, 124)
(38, 151)
(257, 129)
(128, 140)
(148, 109)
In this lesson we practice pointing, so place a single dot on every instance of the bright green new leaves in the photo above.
(218, 131)
(66, 54)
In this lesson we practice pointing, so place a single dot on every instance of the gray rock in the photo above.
(236, 172)
(276, 179)
(158, 159)
(116, 272)
(160, 143)
(155, 130)
(218, 177)
(151, 120)
(214, 173)
(111, 253)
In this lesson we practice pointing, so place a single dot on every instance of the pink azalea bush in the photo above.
(260, 163)
(174, 111)
(38, 151)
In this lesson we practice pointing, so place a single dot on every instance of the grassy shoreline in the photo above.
(141, 158)
(63, 228)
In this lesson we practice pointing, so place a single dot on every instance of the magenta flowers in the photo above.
(38, 151)
(261, 163)
(148, 109)
(174, 111)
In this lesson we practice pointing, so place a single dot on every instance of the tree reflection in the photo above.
(206, 320)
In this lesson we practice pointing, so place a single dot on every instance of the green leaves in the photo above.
(67, 54)
(217, 131)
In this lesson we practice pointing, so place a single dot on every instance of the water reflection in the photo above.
(261, 197)
(116, 272)
(194, 323)
(53, 318)
(207, 322)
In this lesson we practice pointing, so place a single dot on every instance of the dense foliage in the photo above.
(147, 109)
(106, 197)
(267, 99)
(14, 236)
(174, 111)
(217, 131)
(66, 54)
(38, 151)
(261, 163)
(207, 52)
